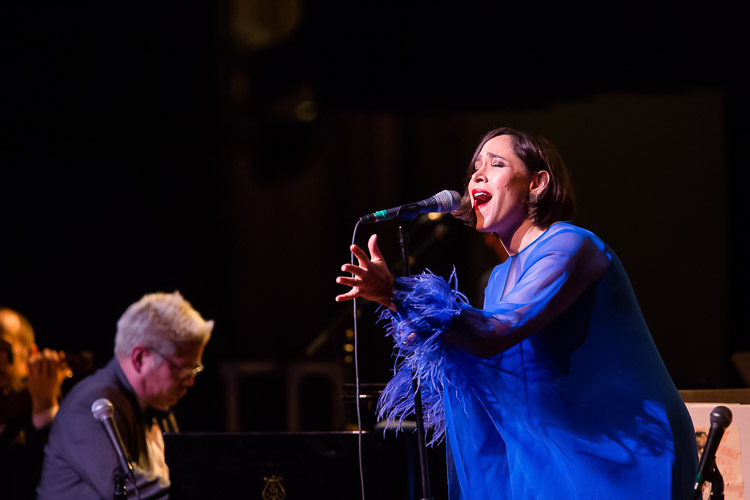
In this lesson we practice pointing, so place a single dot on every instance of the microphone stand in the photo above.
(717, 485)
(120, 486)
(423, 466)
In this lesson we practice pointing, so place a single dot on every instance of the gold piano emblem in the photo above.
(273, 490)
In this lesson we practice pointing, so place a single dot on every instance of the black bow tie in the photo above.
(152, 413)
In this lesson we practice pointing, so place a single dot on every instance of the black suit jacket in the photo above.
(21, 448)
(80, 462)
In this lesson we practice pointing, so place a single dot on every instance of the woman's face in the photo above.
(500, 187)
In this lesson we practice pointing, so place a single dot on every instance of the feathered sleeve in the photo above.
(426, 305)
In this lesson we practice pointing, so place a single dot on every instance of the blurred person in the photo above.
(555, 388)
(158, 349)
(30, 389)
(701, 438)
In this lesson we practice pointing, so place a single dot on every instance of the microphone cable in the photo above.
(356, 376)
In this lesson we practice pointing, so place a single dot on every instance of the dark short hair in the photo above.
(556, 203)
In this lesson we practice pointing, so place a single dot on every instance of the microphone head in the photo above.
(448, 201)
(102, 408)
(721, 416)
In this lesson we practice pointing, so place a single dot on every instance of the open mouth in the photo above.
(480, 197)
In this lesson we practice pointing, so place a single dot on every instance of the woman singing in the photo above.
(555, 389)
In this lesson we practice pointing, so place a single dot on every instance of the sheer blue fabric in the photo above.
(555, 390)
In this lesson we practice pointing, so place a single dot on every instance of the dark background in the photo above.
(226, 149)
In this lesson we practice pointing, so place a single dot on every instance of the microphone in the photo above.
(103, 411)
(721, 417)
(445, 201)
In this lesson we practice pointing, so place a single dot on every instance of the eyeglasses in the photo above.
(183, 372)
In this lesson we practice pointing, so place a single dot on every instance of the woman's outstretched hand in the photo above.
(371, 279)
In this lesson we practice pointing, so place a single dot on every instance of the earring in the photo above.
(533, 199)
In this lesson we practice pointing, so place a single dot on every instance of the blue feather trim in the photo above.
(426, 305)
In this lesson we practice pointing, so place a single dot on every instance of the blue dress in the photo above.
(555, 390)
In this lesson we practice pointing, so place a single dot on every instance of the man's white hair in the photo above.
(162, 321)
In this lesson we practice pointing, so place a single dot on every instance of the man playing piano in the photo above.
(158, 349)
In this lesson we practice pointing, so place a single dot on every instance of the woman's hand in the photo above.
(371, 279)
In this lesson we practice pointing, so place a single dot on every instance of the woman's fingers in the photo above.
(355, 270)
(343, 280)
(372, 244)
(371, 279)
(364, 260)
(351, 294)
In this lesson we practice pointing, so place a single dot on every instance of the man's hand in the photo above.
(47, 371)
